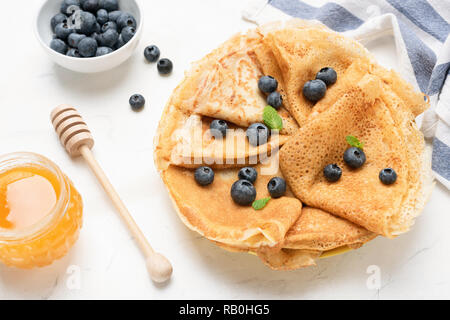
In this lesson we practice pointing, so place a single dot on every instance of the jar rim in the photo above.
(42, 226)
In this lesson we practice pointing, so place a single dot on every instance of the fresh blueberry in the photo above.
(74, 39)
(70, 6)
(332, 172)
(83, 22)
(128, 33)
(152, 53)
(164, 66)
(126, 20)
(73, 52)
(204, 176)
(90, 5)
(314, 90)
(96, 36)
(120, 43)
(62, 31)
(109, 5)
(109, 25)
(248, 173)
(267, 84)
(243, 192)
(108, 39)
(59, 46)
(102, 16)
(137, 102)
(57, 19)
(101, 51)
(88, 47)
(327, 75)
(257, 134)
(275, 100)
(388, 176)
(218, 128)
(354, 157)
(276, 187)
(114, 15)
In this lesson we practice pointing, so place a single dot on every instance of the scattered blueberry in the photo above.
(218, 128)
(388, 176)
(258, 134)
(243, 192)
(152, 53)
(327, 75)
(165, 66)
(70, 6)
(275, 100)
(101, 51)
(108, 38)
(276, 187)
(128, 33)
(267, 84)
(102, 16)
(57, 19)
(59, 46)
(87, 47)
(314, 90)
(90, 5)
(354, 157)
(332, 172)
(204, 176)
(114, 15)
(248, 173)
(126, 20)
(109, 5)
(109, 25)
(137, 102)
(73, 52)
(62, 31)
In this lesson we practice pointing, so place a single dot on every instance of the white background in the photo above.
(415, 265)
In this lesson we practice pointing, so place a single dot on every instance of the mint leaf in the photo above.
(354, 142)
(272, 119)
(260, 204)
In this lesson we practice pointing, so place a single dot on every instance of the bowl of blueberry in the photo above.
(89, 35)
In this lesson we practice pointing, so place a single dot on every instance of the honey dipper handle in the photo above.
(159, 267)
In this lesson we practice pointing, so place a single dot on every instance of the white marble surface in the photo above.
(105, 258)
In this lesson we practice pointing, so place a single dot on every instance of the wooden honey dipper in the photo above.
(76, 137)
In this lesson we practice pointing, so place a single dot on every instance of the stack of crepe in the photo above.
(315, 218)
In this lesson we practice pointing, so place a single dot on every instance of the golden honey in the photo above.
(40, 211)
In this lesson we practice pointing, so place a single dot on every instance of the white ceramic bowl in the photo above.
(44, 34)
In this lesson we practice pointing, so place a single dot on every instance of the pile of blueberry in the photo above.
(243, 191)
(314, 90)
(91, 28)
(355, 158)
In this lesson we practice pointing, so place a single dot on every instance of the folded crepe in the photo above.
(211, 211)
(186, 141)
(301, 51)
(224, 85)
(316, 233)
(373, 113)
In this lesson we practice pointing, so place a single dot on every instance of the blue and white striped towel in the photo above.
(420, 29)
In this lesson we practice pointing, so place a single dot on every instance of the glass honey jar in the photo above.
(40, 211)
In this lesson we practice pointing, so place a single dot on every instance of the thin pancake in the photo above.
(358, 196)
(186, 141)
(221, 219)
(224, 85)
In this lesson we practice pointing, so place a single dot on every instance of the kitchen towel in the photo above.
(420, 30)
